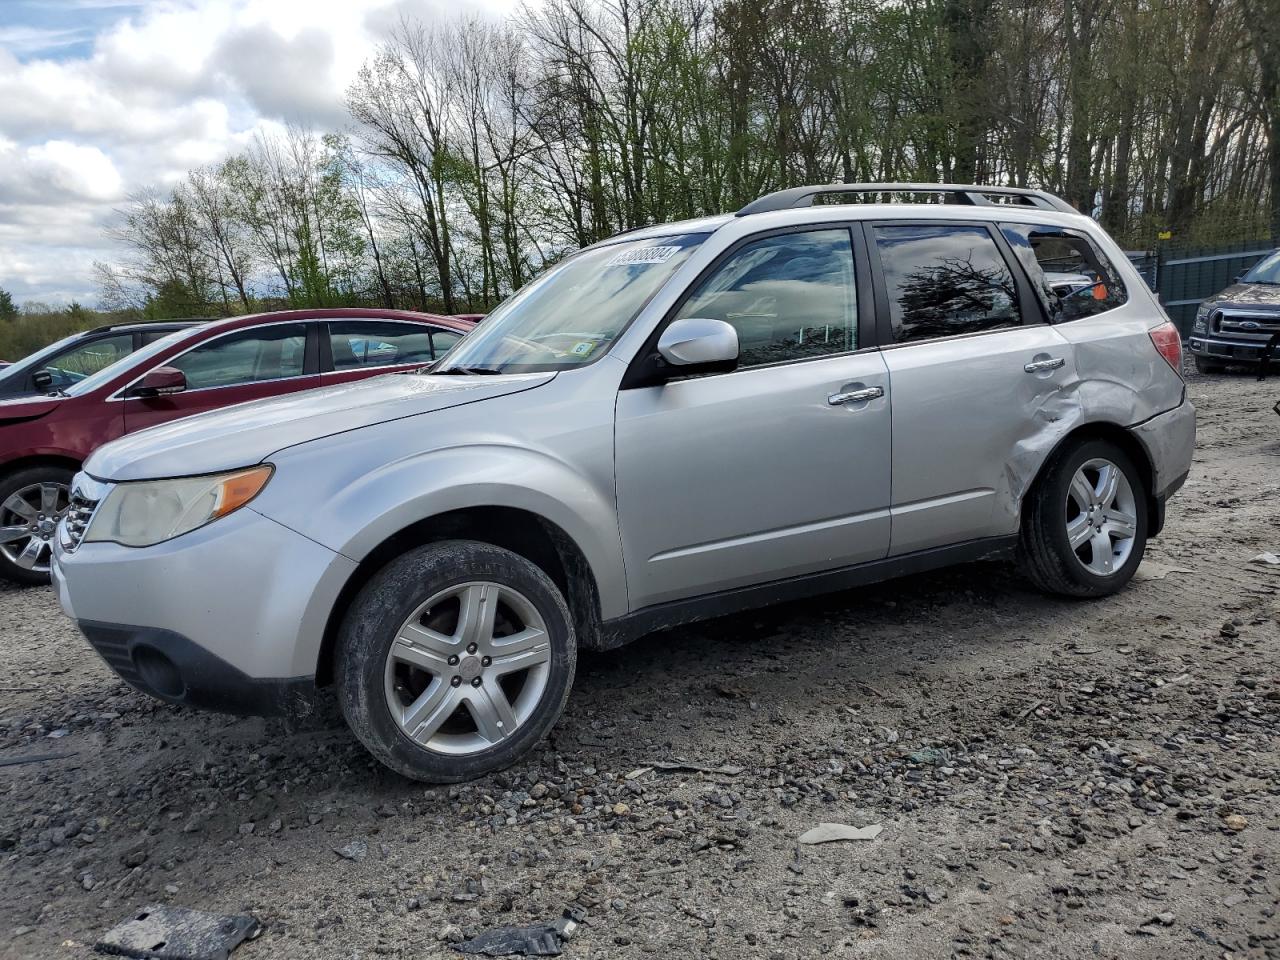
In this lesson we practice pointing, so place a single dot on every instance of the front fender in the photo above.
(359, 511)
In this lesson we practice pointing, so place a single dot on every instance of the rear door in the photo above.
(977, 378)
(248, 364)
(355, 349)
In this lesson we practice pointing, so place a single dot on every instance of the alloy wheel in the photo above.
(28, 522)
(1102, 517)
(468, 668)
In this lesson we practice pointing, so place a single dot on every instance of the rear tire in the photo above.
(1109, 531)
(1209, 366)
(455, 660)
(27, 524)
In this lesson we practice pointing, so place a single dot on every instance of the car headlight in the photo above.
(146, 512)
(1201, 324)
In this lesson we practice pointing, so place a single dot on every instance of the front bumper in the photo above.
(228, 617)
(1236, 351)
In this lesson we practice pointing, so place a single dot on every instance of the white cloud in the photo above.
(165, 85)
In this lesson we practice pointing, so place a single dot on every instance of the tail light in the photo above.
(1168, 342)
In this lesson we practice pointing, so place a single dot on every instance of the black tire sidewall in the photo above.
(1054, 514)
(382, 607)
(11, 483)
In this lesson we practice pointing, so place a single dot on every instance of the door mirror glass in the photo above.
(699, 343)
(161, 382)
(42, 379)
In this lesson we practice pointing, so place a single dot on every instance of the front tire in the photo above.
(455, 660)
(1209, 366)
(32, 501)
(1085, 523)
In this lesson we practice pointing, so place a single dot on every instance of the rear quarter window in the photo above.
(1070, 275)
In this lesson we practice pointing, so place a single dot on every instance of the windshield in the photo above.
(37, 359)
(135, 359)
(1266, 271)
(570, 315)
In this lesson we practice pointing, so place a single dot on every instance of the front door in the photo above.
(778, 469)
(977, 377)
(248, 364)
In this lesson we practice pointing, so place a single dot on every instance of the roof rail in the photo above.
(963, 193)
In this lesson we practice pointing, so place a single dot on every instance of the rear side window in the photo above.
(790, 297)
(944, 281)
(1070, 275)
(363, 343)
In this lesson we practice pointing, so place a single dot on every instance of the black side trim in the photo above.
(145, 657)
(622, 630)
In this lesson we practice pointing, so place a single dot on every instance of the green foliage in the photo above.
(8, 309)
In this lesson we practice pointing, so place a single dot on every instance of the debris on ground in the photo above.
(936, 756)
(33, 758)
(176, 933)
(1155, 570)
(355, 851)
(728, 769)
(828, 832)
(540, 940)
(1267, 558)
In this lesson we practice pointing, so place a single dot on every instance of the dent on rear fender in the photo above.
(1072, 406)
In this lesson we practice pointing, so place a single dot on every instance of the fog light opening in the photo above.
(158, 672)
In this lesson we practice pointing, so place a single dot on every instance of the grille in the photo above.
(86, 494)
(113, 647)
(1261, 325)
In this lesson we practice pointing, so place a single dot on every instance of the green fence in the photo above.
(1184, 277)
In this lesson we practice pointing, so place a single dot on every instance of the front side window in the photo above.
(1071, 276)
(358, 344)
(790, 297)
(86, 359)
(571, 314)
(249, 356)
(944, 281)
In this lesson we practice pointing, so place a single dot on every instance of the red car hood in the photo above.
(26, 408)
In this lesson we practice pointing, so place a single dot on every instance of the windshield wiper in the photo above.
(468, 371)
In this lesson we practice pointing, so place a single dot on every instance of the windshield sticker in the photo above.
(643, 255)
(582, 348)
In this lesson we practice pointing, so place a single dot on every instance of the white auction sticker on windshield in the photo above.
(643, 255)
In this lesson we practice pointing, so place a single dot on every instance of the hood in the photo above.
(250, 432)
(1248, 295)
(26, 408)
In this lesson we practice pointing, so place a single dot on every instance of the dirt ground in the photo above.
(1054, 779)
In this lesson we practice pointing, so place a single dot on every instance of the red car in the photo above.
(43, 440)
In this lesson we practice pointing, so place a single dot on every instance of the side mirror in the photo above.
(697, 344)
(160, 382)
(42, 379)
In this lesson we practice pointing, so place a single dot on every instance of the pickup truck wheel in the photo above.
(1209, 366)
(32, 501)
(454, 660)
(1084, 525)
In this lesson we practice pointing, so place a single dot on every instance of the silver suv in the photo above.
(679, 422)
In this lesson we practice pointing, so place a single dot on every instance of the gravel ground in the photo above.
(1054, 779)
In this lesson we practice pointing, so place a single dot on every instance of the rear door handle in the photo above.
(1053, 363)
(853, 396)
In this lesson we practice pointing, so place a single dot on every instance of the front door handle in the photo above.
(1053, 363)
(853, 396)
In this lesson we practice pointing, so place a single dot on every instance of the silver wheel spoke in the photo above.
(520, 651)
(491, 711)
(17, 505)
(1078, 531)
(434, 706)
(49, 499)
(1102, 552)
(477, 607)
(1082, 491)
(30, 556)
(423, 648)
(10, 534)
(1108, 484)
(1119, 523)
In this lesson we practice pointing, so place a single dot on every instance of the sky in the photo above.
(101, 98)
